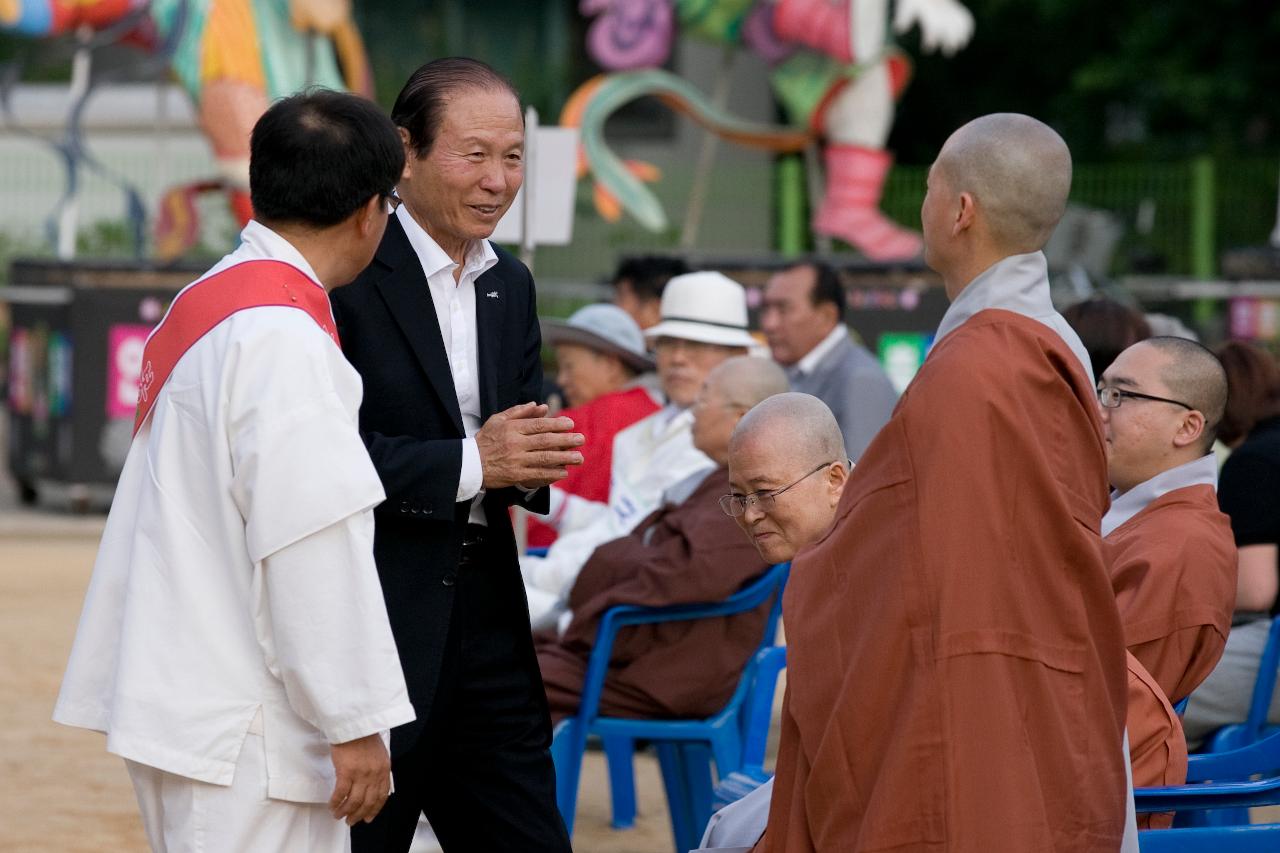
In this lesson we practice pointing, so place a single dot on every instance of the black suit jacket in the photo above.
(412, 427)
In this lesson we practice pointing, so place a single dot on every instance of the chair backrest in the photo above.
(1261, 756)
(759, 711)
(1265, 687)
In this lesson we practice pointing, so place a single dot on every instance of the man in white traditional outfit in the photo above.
(234, 644)
(704, 322)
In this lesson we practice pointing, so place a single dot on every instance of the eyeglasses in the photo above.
(736, 505)
(1111, 398)
(391, 202)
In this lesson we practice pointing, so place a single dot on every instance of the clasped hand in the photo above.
(523, 447)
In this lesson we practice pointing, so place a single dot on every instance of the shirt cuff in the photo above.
(471, 478)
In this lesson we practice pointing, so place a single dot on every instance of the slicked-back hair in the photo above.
(419, 107)
(827, 289)
(316, 158)
(1253, 389)
(648, 275)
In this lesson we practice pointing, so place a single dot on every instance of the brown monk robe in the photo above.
(683, 554)
(957, 681)
(1157, 748)
(1173, 568)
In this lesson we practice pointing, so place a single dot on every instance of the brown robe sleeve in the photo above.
(1173, 567)
(1157, 747)
(956, 677)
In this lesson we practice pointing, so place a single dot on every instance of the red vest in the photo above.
(206, 303)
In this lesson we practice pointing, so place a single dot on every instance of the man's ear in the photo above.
(409, 153)
(366, 218)
(837, 477)
(965, 214)
(1190, 431)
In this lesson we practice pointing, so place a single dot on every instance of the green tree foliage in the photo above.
(1150, 79)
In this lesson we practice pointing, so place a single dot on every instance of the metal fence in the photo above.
(1177, 217)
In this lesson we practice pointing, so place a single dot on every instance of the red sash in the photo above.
(205, 304)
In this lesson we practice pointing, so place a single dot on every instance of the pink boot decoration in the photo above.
(851, 208)
(820, 24)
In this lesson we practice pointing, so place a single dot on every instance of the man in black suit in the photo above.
(443, 329)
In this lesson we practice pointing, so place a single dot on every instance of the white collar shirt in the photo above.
(814, 357)
(1198, 472)
(455, 306)
(234, 588)
(1018, 283)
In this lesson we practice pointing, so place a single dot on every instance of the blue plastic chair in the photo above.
(736, 785)
(1255, 724)
(1208, 800)
(1217, 796)
(1232, 739)
(685, 748)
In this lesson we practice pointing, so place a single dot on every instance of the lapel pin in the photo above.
(492, 294)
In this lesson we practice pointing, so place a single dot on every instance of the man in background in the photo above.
(638, 285)
(803, 321)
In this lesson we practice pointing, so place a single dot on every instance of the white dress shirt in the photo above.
(235, 588)
(455, 304)
(805, 365)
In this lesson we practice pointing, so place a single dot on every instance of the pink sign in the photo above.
(124, 363)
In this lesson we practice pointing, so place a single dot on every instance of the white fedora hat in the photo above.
(705, 306)
(606, 328)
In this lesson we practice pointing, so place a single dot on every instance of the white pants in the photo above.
(182, 815)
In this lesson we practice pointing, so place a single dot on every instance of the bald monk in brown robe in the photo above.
(688, 551)
(956, 671)
(1172, 556)
(1157, 748)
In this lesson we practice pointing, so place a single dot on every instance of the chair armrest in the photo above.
(1208, 795)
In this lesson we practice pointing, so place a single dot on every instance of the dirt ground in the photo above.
(60, 792)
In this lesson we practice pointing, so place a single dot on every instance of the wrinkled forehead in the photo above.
(763, 458)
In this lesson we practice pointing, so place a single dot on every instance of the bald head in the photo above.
(746, 380)
(787, 464)
(1195, 376)
(1018, 171)
(731, 388)
(798, 426)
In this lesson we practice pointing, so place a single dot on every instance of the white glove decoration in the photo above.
(944, 24)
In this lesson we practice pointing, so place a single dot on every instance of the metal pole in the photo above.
(1203, 214)
(707, 154)
(68, 217)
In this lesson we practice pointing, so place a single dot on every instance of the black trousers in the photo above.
(481, 770)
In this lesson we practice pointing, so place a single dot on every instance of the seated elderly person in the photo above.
(685, 552)
(704, 322)
(787, 469)
(601, 364)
